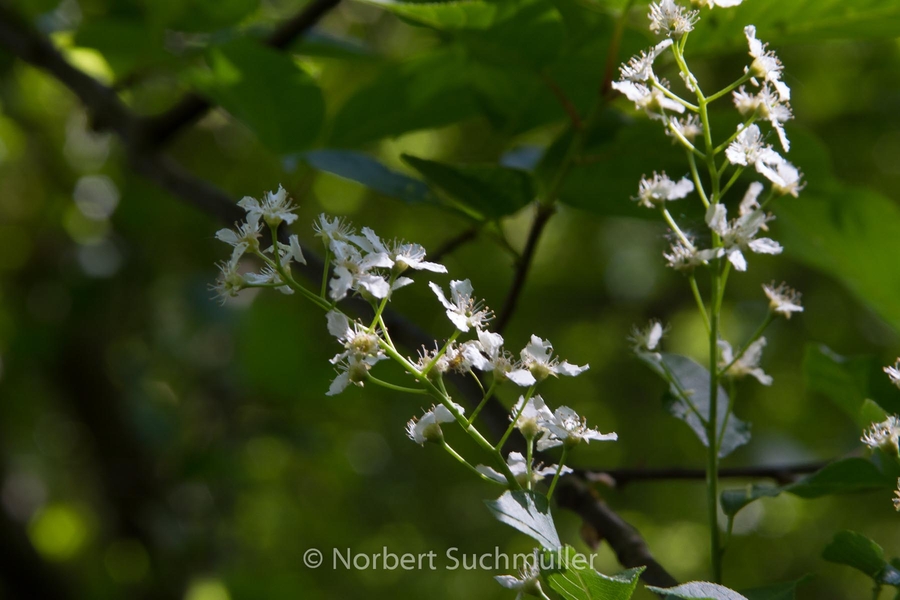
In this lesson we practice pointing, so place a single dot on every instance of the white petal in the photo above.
(765, 246)
(564, 368)
(338, 324)
(440, 296)
(521, 377)
(339, 384)
(460, 320)
(736, 258)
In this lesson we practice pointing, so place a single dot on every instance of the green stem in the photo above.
(529, 451)
(325, 273)
(512, 424)
(562, 462)
(685, 142)
(697, 183)
(392, 386)
(673, 96)
(699, 299)
(441, 353)
(483, 402)
(463, 461)
(675, 228)
(734, 178)
(730, 88)
(712, 466)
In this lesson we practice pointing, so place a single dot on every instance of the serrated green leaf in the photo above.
(699, 590)
(364, 169)
(529, 513)
(856, 550)
(572, 576)
(266, 90)
(688, 399)
(778, 591)
(492, 191)
(844, 476)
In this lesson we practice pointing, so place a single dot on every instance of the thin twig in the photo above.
(621, 477)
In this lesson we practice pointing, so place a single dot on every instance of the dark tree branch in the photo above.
(630, 548)
(782, 474)
(542, 215)
(19, 38)
(157, 130)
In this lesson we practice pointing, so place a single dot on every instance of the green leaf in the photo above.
(573, 577)
(778, 591)
(529, 513)
(844, 476)
(780, 22)
(428, 91)
(364, 169)
(266, 90)
(126, 44)
(842, 380)
(688, 400)
(837, 229)
(857, 551)
(699, 590)
(492, 191)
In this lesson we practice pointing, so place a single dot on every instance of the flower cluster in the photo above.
(562, 427)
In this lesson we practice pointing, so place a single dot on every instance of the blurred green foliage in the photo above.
(157, 443)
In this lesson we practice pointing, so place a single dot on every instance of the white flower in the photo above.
(686, 258)
(647, 340)
(290, 252)
(649, 99)
(229, 282)
(532, 418)
(884, 435)
(501, 362)
(427, 428)
(335, 230)
(245, 237)
(783, 300)
(747, 364)
(655, 191)
(894, 373)
(352, 271)
(788, 180)
(767, 105)
(740, 234)
(352, 369)
(640, 67)
(462, 309)
(462, 358)
(404, 255)
(357, 340)
(519, 468)
(748, 149)
(274, 209)
(766, 65)
(670, 19)
(537, 358)
(750, 201)
(897, 493)
(688, 127)
(528, 582)
(568, 428)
